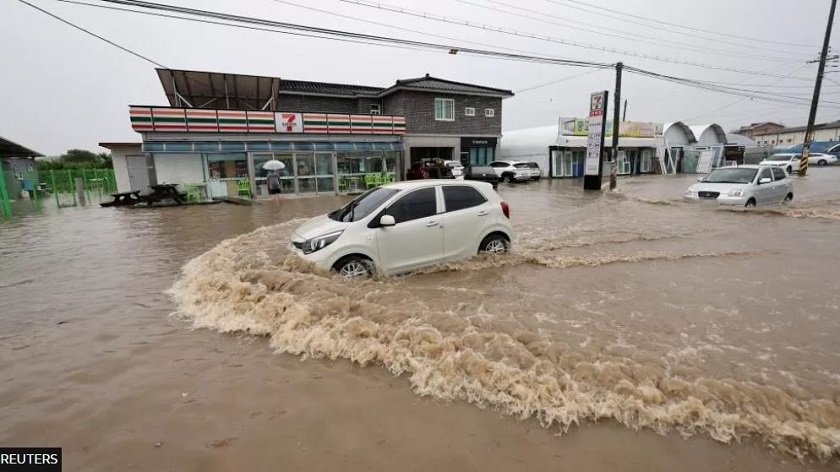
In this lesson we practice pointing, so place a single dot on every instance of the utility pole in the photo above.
(616, 117)
(806, 146)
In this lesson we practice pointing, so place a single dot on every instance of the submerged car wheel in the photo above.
(789, 169)
(822, 162)
(750, 203)
(788, 197)
(507, 178)
(494, 244)
(352, 267)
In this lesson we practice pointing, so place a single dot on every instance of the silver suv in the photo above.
(512, 171)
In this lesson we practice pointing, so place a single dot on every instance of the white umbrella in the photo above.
(273, 164)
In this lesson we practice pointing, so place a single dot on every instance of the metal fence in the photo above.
(57, 185)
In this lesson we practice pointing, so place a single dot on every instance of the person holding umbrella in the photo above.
(273, 177)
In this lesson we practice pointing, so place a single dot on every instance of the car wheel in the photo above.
(822, 162)
(788, 197)
(789, 169)
(494, 244)
(750, 203)
(507, 178)
(352, 267)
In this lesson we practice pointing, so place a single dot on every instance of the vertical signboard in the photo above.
(595, 141)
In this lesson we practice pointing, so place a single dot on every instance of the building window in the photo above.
(374, 109)
(790, 140)
(469, 111)
(444, 109)
(489, 112)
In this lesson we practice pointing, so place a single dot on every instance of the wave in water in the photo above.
(251, 284)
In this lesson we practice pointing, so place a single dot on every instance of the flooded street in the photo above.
(626, 331)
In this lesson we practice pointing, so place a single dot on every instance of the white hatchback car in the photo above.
(404, 226)
(748, 185)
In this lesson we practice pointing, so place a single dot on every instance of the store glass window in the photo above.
(227, 166)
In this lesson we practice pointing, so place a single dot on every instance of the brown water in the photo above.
(627, 322)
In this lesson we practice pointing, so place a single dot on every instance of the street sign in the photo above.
(595, 141)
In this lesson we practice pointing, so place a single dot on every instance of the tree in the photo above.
(79, 156)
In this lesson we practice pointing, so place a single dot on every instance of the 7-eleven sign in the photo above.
(288, 122)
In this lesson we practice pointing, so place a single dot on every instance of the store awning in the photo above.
(267, 146)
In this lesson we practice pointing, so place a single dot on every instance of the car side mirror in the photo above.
(765, 180)
(387, 220)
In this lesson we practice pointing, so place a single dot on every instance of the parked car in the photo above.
(482, 173)
(821, 159)
(748, 185)
(429, 169)
(456, 167)
(509, 172)
(532, 167)
(404, 226)
(787, 161)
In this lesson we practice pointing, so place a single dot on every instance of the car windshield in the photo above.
(779, 157)
(363, 205)
(731, 176)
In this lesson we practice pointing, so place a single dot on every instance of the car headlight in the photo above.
(736, 192)
(320, 242)
(691, 192)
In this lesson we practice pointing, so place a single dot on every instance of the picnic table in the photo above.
(163, 192)
(124, 199)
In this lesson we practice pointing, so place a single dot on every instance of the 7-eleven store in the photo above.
(217, 150)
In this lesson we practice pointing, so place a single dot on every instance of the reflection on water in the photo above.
(633, 306)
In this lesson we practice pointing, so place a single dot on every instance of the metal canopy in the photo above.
(12, 149)
(194, 89)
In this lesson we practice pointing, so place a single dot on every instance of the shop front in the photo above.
(478, 151)
(224, 155)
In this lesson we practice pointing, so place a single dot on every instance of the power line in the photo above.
(400, 28)
(599, 30)
(521, 34)
(383, 40)
(745, 98)
(535, 87)
(587, 7)
(133, 53)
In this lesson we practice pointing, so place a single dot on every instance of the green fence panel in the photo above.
(4, 195)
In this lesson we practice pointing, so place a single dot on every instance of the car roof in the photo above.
(411, 184)
(746, 166)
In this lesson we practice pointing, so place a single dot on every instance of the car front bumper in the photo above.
(721, 200)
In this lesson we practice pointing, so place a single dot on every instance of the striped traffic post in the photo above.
(803, 161)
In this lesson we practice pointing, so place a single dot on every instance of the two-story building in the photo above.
(219, 129)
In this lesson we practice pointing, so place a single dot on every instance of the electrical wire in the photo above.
(635, 37)
(623, 16)
(91, 33)
(521, 34)
(535, 87)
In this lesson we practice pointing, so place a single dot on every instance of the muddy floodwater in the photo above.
(626, 331)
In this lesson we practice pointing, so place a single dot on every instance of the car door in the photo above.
(466, 215)
(780, 185)
(794, 162)
(764, 192)
(416, 240)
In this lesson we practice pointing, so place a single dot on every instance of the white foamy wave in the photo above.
(252, 284)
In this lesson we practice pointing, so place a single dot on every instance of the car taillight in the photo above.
(505, 209)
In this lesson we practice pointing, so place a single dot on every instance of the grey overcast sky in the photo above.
(64, 89)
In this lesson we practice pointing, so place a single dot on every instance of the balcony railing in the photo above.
(201, 120)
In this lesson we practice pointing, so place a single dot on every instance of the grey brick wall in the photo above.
(419, 111)
(315, 104)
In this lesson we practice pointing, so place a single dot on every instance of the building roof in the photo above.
(326, 88)
(699, 130)
(13, 149)
(117, 145)
(429, 83)
(798, 129)
(197, 89)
